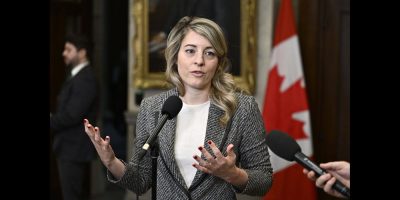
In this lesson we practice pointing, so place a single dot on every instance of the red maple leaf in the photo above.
(280, 106)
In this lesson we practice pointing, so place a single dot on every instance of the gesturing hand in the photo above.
(220, 165)
(102, 146)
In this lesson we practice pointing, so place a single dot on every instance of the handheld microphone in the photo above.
(287, 148)
(169, 110)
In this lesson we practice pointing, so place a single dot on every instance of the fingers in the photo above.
(320, 182)
(97, 137)
(215, 149)
(89, 129)
(211, 162)
(201, 162)
(201, 165)
(217, 153)
(94, 133)
(310, 174)
(329, 184)
(207, 154)
(230, 153)
(106, 143)
(337, 165)
(206, 165)
(217, 165)
(328, 166)
(85, 124)
(201, 168)
(107, 140)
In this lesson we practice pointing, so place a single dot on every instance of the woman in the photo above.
(216, 144)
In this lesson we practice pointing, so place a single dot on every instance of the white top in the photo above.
(190, 134)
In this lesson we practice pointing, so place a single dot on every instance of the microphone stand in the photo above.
(154, 156)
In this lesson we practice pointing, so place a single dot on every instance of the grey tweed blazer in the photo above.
(246, 132)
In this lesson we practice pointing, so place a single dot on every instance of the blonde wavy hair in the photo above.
(223, 89)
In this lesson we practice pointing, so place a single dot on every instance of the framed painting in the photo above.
(153, 19)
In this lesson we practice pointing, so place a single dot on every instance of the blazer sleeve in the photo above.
(253, 156)
(137, 177)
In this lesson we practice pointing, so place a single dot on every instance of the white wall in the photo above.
(264, 42)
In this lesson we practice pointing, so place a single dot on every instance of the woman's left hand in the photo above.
(219, 165)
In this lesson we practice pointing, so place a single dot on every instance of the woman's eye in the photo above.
(210, 54)
(190, 51)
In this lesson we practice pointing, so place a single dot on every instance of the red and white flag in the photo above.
(286, 109)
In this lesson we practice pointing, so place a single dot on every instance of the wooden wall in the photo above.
(324, 32)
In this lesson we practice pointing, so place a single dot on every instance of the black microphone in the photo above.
(170, 109)
(287, 148)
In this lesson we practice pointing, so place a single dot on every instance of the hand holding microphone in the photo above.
(338, 170)
(287, 148)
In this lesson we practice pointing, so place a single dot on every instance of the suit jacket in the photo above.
(246, 132)
(77, 100)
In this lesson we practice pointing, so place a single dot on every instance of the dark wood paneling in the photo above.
(324, 32)
(65, 17)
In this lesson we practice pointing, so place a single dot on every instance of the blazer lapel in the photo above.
(167, 143)
(214, 132)
(166, 139)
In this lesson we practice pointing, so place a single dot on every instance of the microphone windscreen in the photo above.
(172, 106)
(282, 145)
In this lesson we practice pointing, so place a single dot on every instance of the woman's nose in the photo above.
(199, 59)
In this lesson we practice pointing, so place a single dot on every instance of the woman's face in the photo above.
(197, 62)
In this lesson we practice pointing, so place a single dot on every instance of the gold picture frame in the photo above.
(143, 78)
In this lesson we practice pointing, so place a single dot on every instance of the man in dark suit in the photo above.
(77, 100)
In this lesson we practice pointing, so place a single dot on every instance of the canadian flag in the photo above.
(286, 109)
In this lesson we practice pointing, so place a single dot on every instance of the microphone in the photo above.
(169, 110)
(287, 148)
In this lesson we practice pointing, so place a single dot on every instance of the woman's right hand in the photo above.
(102, 146)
